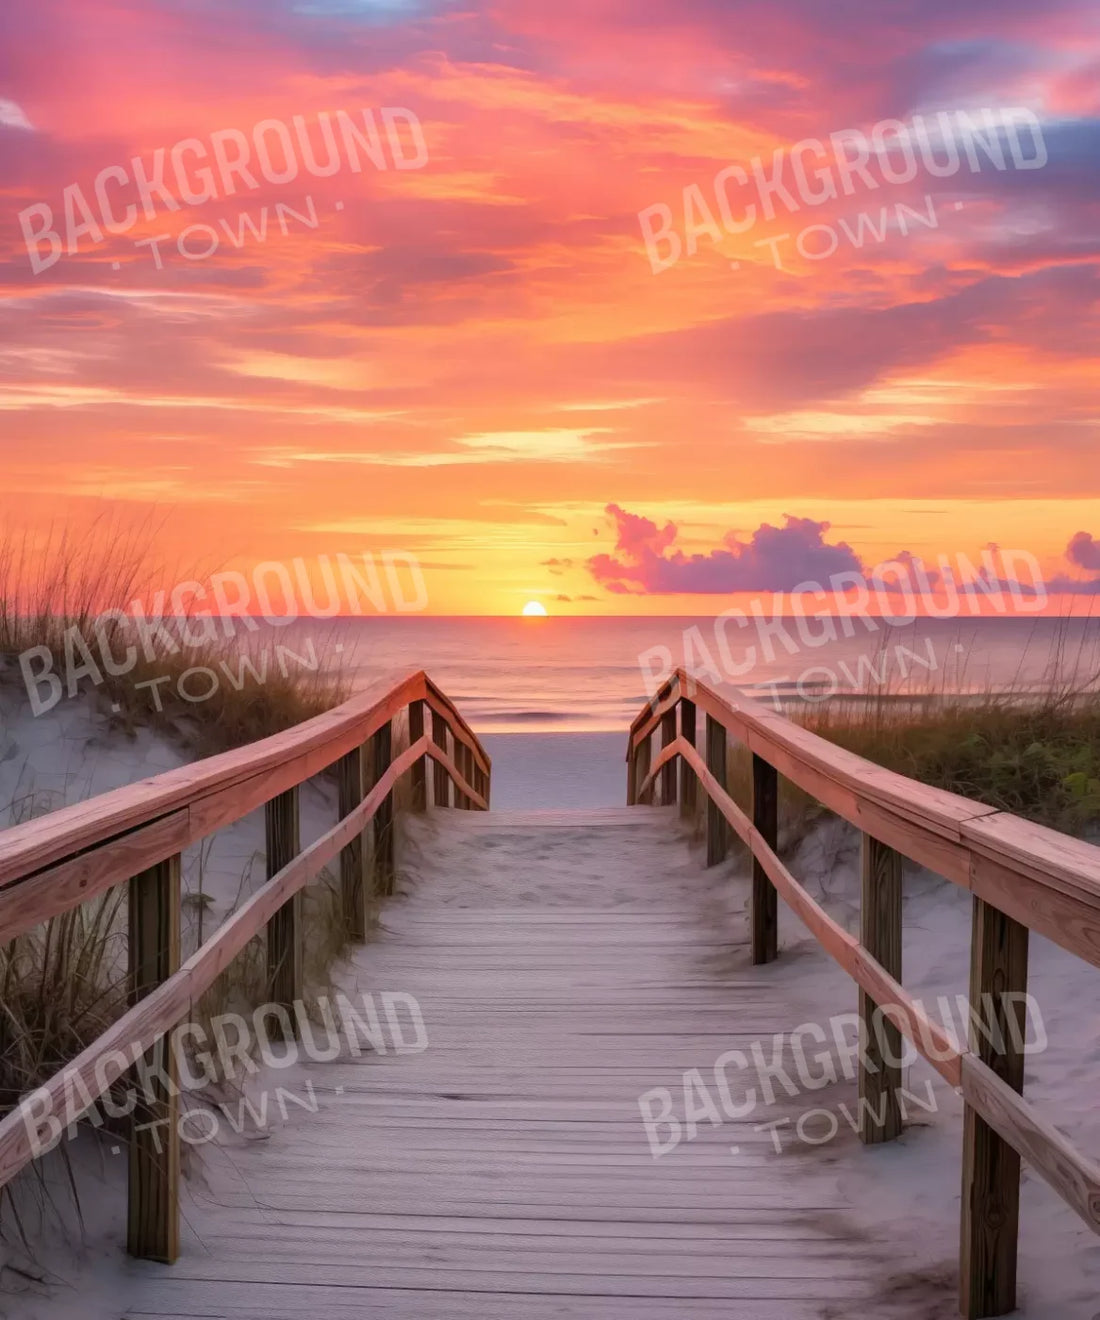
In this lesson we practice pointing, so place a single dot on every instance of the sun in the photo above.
(533, 609)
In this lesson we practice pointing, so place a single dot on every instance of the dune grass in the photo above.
(63, 983)
(1039, 759)
(57, 590)
(1033, 750)
(58, 992)
(1035, 754)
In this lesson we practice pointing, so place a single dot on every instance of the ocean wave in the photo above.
(530, 716)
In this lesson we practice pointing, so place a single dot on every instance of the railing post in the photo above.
(880, 1117)
(352, 780)
(687, 774)
(765, 901)
(472, 773)
(717, 829)
(458, 757)
(419, 777)
(668, 770)
(441, 780)
(643, 755)
(381, 753)
(152, 1231)
(991, 1167)
(465, 760)
(284, 930)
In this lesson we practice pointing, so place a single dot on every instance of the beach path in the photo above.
(565, 963)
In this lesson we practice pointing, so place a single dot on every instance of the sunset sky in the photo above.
(471, 359)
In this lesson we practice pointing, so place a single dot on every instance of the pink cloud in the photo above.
(772, 559)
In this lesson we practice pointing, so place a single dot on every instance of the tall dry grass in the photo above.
(56, 589)
(1030, 749)
(59, 990)
(64, 983)
(1038, 759)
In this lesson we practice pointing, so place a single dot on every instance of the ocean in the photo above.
(592, 675)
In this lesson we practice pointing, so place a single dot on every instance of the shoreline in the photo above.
(533, 770)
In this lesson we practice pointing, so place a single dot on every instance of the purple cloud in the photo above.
(1083, 551)
(772, 559)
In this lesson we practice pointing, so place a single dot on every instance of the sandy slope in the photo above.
(906, 1195)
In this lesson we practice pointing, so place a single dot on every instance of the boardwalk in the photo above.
(565, 963)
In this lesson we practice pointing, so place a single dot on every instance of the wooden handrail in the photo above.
(136, 834)
(1048, 881)
(55, 862)
(1023, 876)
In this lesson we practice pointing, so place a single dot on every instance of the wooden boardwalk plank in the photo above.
(565, 962)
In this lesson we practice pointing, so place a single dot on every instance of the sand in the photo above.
(911, 1186)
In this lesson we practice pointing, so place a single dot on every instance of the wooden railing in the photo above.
(1023, 877)
(137, 834)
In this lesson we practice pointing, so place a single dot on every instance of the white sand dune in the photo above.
(564, 968)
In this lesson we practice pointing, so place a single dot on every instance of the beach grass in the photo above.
(64, 983)
(1037, 757)
(208, 690)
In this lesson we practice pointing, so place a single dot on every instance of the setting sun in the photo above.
(493, 293)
